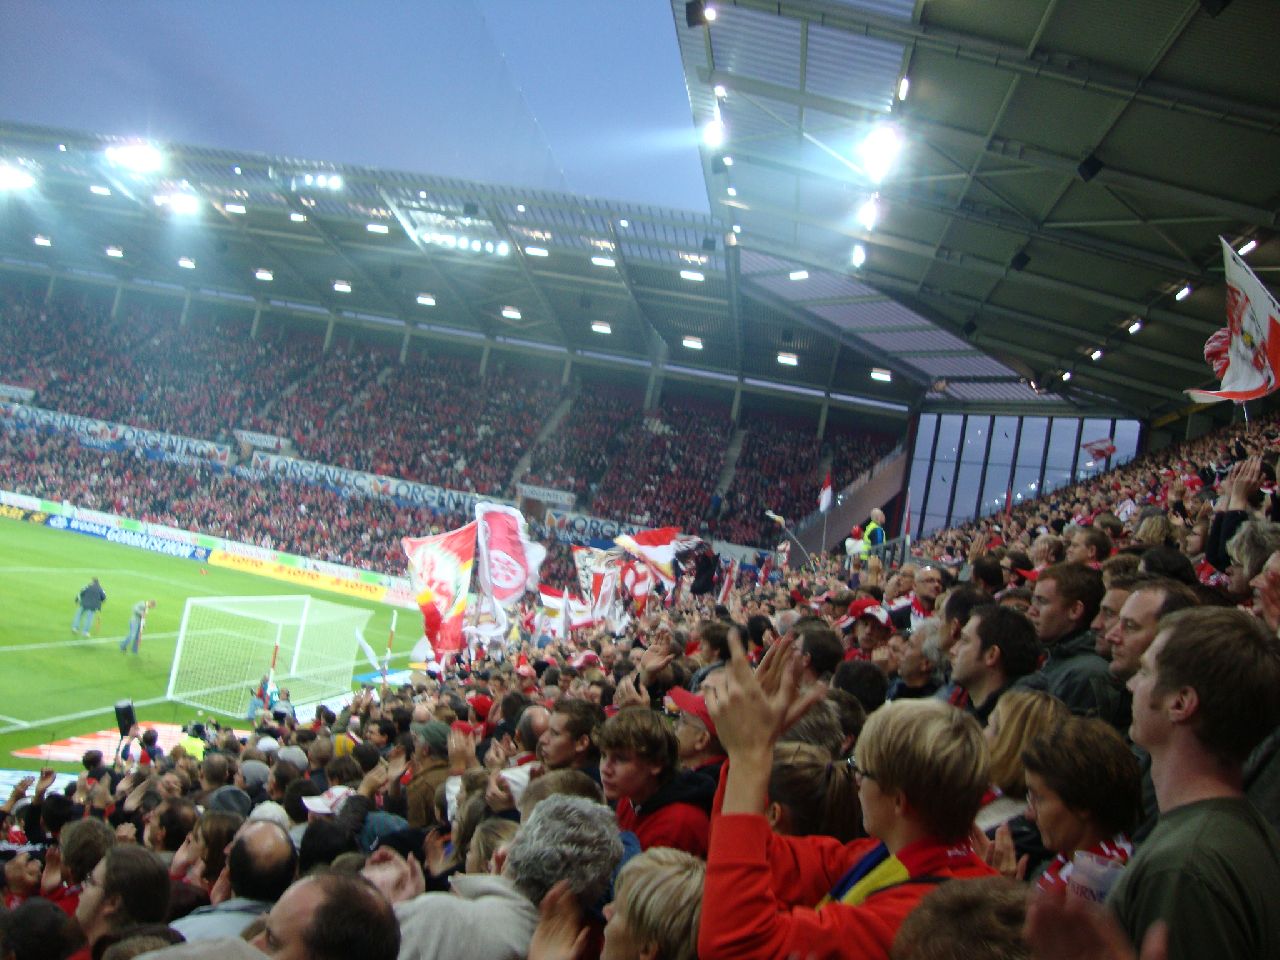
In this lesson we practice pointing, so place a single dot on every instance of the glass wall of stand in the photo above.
(972, 465)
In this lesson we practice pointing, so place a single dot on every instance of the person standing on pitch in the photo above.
(136, 622)
(88, 603)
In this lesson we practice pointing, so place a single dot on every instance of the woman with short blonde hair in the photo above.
(656, 906)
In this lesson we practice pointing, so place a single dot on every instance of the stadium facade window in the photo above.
(1062, 452)
(920, 461)
(995, 487)
(1126, 434)
(946, 457)
(1029, 460)
(1094, 429)
(973, 456)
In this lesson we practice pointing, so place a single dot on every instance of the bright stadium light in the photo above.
(788, 359)
(1066, 376)
(732, 191)
(728, 161)
(868, 214)
(692, 343)
(503, 248)
(1135, 327)
(137, 157)
(100, 191)
(15, 178)
(603, 261)
(601, 326)
(881, 374)
(1248, 248)
(536, 252)
(737, 228)
(298, 217)
(237, 208)
(341, 286)
(624, 223)
(381, 228)
(511, 313)
(904, 87)
(40, 240)
(859, 255)
(1096, 355)
(1183, 293)
(879, 151)
(181, 203)
(713, 134)
(335, 182)
(266, 276)
(186, 263)
(520, 208)
(426, 300)
(720, 91)
(693, 275)
(799, 275)
(115, 253)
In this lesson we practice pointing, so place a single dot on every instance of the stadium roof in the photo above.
(1067, 169)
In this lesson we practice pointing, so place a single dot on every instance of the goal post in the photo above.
(226, 645)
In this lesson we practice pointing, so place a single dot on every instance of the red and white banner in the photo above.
(658, 549)
(1245, 354)
(563, 611)
(727, 585)
(440, 571)
(1099, 449)
(509, 561)
(824, 495)
(637, 580)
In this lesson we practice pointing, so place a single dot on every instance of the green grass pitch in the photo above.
(56, 684)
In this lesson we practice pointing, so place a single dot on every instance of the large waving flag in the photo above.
(658, 549)
(730, 580)
(1245, 354)
(440, 570)
(824, 495)
(509, 560)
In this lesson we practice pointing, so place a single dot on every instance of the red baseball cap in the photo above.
(693, 703)
(481, 705)
(869, 607)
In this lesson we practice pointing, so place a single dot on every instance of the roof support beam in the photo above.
(733, 270)
(517, 251)
(996, 345)
(1046, 65)
(657, 345)
(999, 146)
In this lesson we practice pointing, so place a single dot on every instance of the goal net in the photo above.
(226, 645)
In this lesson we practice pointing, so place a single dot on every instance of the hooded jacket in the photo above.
(678, 815)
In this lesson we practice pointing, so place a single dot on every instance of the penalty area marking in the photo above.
(68, 717)
(93, 641)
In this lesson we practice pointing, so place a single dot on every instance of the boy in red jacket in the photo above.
(922, 771)
(654, 799)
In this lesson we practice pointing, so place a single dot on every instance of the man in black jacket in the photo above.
(88, 602)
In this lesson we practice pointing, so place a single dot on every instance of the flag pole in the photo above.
(822, 548)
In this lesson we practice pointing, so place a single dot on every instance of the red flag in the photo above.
(440, 570)
(638, 581)
(1099, 449)
(766, 568)
(730, 578)
(509, 561)
(658, 549)
(824, 495)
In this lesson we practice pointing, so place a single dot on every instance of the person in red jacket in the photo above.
(661, 804)
(921, 768)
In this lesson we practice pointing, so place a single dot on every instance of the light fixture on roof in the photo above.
(879, 151)
(1183, 293)
(520, 208)
(868, 214)
(728, 161)
(381, 228)
(137, 157)
(40, 240)
(503, 248)
(1066, 376)
(691, 342)
(426, 300)
(536, 251)
(710, 14)
(694, 275)
(720, 91)
(859, 255)
(603, 261)
(601, 326)
(186, 263)
(798, 275)
(236, 170)
(904, 87)
(881, 374)
(62, 148)
(511, 313)
(698, 14)
(1248, 248)
(624, 223)
(737, 228)
(341, 286)
(1135, 327)
(263, 274)
(182, 203)
(100, 191)
(1096, 355)
(298, 217)
(234, 207)
(15, 178)
(713, 134)
(788, 359)
(115, 253)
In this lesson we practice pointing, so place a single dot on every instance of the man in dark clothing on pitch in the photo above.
(88, 602)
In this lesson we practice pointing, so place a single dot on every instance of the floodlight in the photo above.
(1096, 355)
(520, 208)
(603, 261)
(40, 240)
(503, 248)
(799, 275)
(184, 204)
(1066, 375)
(600, 326)
(341, 286)
(869, 213)
(713, 133)
(693, 343)
(488, 246)
(732, 191)
(535, 251)
(62, 148)
(100, 191)
(881, 374)
(234, 207)
(138, 157)
(15, 178)
(1248, 248)
(476, 246)
(720, 91)
(624, 223)
(236, 170)
(511, 313)
(737, 228)
(1183, 293)
(426, 300)
(879, 151)
(728, 161)
(378, 228)
(788, 359)
(298, 217)
(1135, 327)
(693, 275)
(859, 255)
(186, 263)
(422, 194)
(115, 252)
(266, 276)
(904, 86)
(709, 14)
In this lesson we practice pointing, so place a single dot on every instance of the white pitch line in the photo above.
(11, 719)
(68, 717)
(94, 641)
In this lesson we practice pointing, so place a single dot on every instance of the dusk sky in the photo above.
(585, 96)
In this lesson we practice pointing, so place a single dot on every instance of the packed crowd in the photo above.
(575, 455)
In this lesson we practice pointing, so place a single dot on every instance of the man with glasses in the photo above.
(920, 604)
(129, 886)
